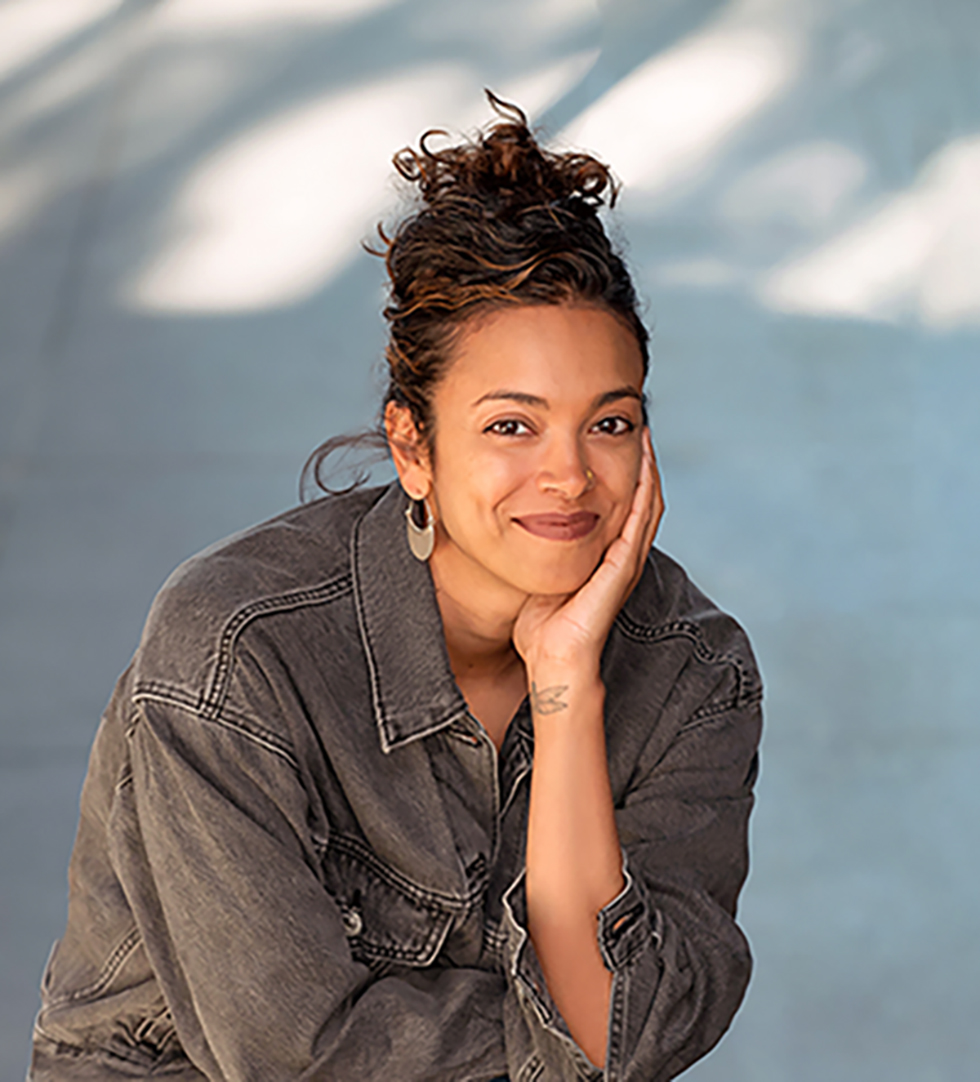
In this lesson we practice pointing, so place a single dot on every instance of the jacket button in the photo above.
(353, 924)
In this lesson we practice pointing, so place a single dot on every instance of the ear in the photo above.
(408, 451)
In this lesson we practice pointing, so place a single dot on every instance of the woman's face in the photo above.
(538, 427)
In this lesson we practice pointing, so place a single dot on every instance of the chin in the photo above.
(562, 574)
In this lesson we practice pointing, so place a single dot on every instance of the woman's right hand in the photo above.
(572, 629)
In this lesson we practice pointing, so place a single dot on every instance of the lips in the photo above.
(556, 527)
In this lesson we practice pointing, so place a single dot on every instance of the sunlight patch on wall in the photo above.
(73, 83)
(271, 217)
(918, 255)
(31, 28)
(806, 187)
(539, 90)
(662, 123)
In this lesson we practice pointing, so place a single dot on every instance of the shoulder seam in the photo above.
(213, 699)
(232, 721)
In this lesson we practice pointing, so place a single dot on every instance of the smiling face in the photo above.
(538, 425)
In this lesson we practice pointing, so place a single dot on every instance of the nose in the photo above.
(564, 469)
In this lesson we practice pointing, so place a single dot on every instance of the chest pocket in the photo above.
(387, 918)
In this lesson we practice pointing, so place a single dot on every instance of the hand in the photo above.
(572, 629)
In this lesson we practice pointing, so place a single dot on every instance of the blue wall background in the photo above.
(185, 313)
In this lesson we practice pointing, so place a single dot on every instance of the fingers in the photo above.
(646, 513)
(648, 504)
(595, 605)
(658, 506)
(641, 507)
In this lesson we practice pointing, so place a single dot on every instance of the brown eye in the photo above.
(508, 427)
(614, 426)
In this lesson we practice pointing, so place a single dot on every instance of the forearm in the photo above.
(574, 863)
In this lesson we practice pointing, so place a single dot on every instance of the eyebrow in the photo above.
(542, 403)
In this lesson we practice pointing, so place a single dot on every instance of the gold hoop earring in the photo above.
(421, 534)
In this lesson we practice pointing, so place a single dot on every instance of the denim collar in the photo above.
(413, 690)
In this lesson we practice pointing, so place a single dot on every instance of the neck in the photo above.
(478, 616)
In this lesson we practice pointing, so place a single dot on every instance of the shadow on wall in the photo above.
(242, 149)
(192, 180)
(186, 312)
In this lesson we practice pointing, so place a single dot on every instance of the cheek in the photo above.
(502, 476)
(468, 493)
(482, 483)
(622, 477)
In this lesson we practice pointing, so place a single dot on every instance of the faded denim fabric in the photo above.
(300, 858)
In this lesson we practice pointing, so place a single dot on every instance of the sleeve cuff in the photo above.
(548, 1030)
(627, 926)
(522, 960)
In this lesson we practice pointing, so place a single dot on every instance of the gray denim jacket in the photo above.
(300, 858)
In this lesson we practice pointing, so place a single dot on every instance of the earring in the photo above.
(421, 535)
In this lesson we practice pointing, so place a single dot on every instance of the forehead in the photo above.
(559, 352)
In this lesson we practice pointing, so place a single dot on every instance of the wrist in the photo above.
(565, 692)
(579, 664)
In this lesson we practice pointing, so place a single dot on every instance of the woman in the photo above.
(312, 841)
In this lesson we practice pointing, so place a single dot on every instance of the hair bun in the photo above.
(506, 170)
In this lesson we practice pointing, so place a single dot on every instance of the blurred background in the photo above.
(185, 312)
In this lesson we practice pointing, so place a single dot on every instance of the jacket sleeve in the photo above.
(680, 963)
(249, 947)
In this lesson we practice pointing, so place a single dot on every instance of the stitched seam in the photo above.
(237, 719)
(163, 692)
(386, 721)
(267, 606)
(715, 708)
(495, 943)
(745, 692)
(537, 1002)
(676, 629)
(369, 646)
(436, 726)
(432, 900)
(111, 967)
(617, 1016)
(377, 950)
(238, 724)
(532, 1069)
(389, 742)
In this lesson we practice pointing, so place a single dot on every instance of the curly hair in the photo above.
(502, 222)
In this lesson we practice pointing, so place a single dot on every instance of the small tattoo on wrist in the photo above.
(548, 700)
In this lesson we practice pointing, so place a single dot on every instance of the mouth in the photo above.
(555, 527)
